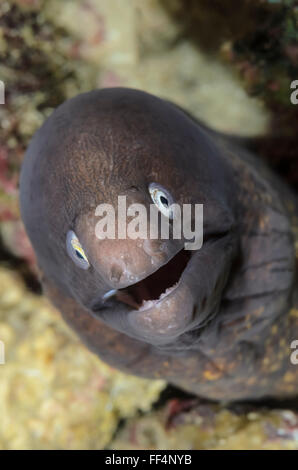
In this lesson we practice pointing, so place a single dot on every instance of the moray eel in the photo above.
(219, 321)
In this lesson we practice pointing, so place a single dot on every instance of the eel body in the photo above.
(219, 321)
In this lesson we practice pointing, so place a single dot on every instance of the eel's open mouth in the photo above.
(155, 286)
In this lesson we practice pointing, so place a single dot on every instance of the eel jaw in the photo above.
(184, 304)
(148, 292)
(161, 306)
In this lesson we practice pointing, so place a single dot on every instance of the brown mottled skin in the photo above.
(225, 332)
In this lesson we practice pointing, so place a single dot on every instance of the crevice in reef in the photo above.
(19, 265)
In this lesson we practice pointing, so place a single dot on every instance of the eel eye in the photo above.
(162, 199)
(75, 250)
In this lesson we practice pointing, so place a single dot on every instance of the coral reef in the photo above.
(234, 75)
(212, 427)
(55, 394)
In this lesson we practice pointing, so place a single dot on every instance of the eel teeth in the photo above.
(109, 294)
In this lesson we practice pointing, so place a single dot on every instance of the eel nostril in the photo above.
(116, 273)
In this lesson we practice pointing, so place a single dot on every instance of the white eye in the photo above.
(162, 199)
(75, 250)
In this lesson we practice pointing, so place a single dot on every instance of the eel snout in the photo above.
(180, 296)
(157, 308)
(122, 263)
(156, 290)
